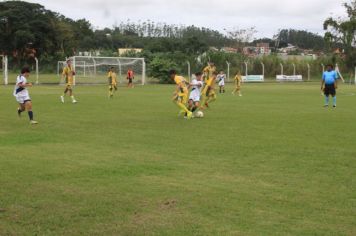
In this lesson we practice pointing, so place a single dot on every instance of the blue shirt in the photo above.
(330, 77)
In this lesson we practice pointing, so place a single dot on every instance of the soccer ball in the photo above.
(199, 114)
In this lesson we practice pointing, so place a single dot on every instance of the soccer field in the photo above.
(273, 162)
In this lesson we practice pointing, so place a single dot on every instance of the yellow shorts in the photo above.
(182, 98)
(211, 92)
(69, 85)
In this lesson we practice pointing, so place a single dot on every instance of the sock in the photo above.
(30, 115)
(72, 97)
(334, 101)
(19, 111)
(326, 100)
(183, 107)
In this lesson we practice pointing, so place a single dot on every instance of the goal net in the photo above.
(94, 70)
(4, 69)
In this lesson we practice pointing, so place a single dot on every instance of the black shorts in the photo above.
(330, 90)
(130, 80)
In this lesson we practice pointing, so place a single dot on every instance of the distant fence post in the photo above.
(189, 74)
(308, 71)
(228, 71)
(282, 69)
(37, 70)
(246, 68)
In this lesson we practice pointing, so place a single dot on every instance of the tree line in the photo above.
(29, 30)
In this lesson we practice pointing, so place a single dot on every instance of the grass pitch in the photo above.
(273, 162)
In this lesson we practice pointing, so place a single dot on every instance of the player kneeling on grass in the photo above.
(112, 78)
(22, 95)
(221, 80)
(180, 95)
(68, 74)
(237, 80)
(329, 84)
(194, 98)
(208, 92)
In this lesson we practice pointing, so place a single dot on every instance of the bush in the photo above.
(159, 69)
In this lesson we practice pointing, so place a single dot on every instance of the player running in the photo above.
(221, 80)
(194, 98)
(208, 92)
(112, 79)
(180, 96)
(22, 95)
(208, 71)
(67, 74)
(130, 77)
(237, 80)
(329, 84)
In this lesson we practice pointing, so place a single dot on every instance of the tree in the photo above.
(242, 36)
(343, 32)
(159, 69)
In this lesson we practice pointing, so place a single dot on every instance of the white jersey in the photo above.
(20, 93)
(221, 79)
(196, 90)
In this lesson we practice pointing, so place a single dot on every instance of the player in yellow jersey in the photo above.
(238, 80)
(208, 71)
(68, 74)
(112, 79)
(208, 92)
(180, 97)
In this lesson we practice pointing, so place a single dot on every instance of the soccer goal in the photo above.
(4, 69)
(94, 70)
(284, 78)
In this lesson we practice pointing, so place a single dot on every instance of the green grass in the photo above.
(273, 162)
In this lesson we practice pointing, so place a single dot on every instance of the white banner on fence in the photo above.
(253, 78)
(289, 78)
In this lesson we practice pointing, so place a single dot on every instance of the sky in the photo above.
(268, 16)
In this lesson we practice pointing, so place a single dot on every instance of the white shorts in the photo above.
(222, 83)
(22, 98)
(194, 97)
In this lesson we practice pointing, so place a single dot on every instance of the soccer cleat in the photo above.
(33, 122)
(326, 105)
(189, 115)
(62, 99)
(334, 106)
(240, 95)
(181, 113)
(74, 101)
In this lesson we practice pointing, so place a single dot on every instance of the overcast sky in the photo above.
(266, 15)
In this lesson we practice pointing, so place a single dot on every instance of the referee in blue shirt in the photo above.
(329, 84)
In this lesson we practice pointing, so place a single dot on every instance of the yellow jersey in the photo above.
(112, 78)
(68, 72)
(182, 83)
(208, 71)
(238, 80)
(211, 82)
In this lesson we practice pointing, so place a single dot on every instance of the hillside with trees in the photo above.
(28, 30)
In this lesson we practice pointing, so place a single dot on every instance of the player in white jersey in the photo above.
(221, 80)
(22, 95)
(194, 98)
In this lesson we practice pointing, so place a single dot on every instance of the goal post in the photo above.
(94, 70)
(4, 68)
